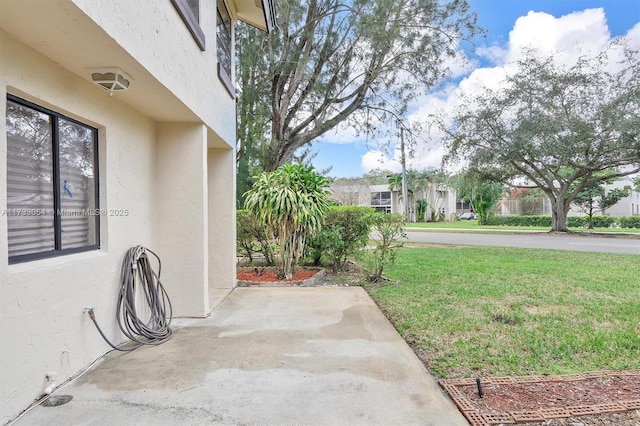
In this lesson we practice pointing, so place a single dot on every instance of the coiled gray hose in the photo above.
(137, 271)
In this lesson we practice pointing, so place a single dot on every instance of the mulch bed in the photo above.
(596, 398)
(268, 275)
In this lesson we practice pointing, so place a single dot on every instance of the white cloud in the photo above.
(379, 160)
(422, 157)
(567, 38)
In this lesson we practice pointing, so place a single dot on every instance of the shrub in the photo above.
(421, 210)
(630, 222)
(386, 232)
(544, 221)
(599, 221)
(603, 221)
(291, 200)
(577, 221)
(345, 230)
(252, 236)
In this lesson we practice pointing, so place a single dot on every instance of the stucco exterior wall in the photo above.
(438, 197)
(153, 33)
(222, 237)
(181, 215)
(626, 206)
(166, 157)
(43, 327)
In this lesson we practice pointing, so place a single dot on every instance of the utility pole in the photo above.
(405, 195)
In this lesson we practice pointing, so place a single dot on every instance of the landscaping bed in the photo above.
(263, 276)
(601, 397)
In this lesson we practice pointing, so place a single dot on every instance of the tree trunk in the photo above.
(559, 215)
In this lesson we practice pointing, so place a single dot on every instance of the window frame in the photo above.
(55, 185)
(191, 21)
(223, 75)
(377, 198)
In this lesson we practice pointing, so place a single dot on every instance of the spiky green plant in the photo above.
(293, 200)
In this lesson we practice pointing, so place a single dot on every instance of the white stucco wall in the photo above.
(43, 327)
(153, 33)
(166, 156)
(627, 206)
(438, 195)
(181, 215)
(222, 212)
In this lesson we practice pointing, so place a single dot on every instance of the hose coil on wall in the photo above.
(138, 278)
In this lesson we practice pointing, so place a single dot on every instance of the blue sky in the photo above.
(509, 24)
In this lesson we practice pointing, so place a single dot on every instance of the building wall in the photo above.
(627, 206)
(181, 215)
(222, 194)
(155, 35)
(438, 196)
(43, 327)
(164, 146)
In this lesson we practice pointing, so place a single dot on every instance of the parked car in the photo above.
(467, 216)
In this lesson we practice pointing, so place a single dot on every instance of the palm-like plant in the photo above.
(483, 197)
(416, 181)
(292, 199)
(421, 210)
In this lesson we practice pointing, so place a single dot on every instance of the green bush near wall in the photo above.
(544, 221)
(344, 232)
(577, 221)
(253, 237)
(599, 221)
(605, 222)
(630, 222)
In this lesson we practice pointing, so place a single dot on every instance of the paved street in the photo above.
(605, 244)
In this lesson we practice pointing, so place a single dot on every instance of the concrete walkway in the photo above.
(268, 356)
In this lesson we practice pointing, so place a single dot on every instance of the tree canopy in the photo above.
(481, 193)
(331, 62)
(562, 128)
(595, 197)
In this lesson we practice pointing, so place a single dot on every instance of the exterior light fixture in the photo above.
(111, 79)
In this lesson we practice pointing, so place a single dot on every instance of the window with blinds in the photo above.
(52, 197)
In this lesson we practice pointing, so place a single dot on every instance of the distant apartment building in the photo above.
(441, 199)
(626, 206)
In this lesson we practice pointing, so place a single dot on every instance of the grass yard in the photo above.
(503, 311)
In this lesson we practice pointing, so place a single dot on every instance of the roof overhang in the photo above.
(257, 13)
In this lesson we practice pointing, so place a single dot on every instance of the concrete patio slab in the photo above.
(270, 356)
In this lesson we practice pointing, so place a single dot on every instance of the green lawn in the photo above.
(472, 225)
(504, 311)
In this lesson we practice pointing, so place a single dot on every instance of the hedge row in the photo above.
(599, 221)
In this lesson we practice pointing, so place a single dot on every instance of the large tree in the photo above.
(595, 197)
(563, 128)
(332, 62)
